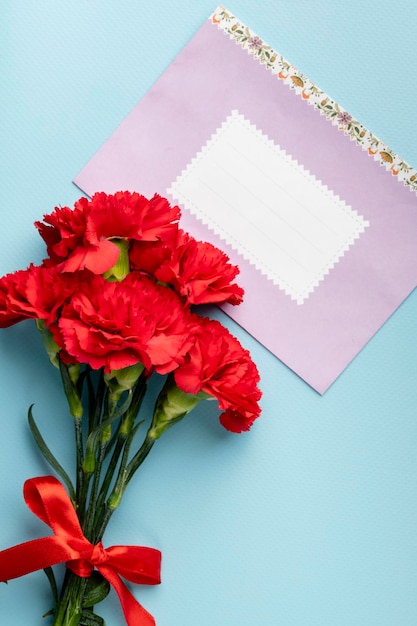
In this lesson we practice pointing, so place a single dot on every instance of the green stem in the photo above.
(88, 526)
(82, 500)
(69, 608)
(125, 475)
(109, 476)
(95, 402)
(80, 490)
(139, 458)
(124, 437)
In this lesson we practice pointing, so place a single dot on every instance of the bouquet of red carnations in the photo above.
(115, 303)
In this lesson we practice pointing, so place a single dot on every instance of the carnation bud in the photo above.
(69, 376)
(121, 268)
(118, 381)
(75, 405)
(74, 370)
(172, 405)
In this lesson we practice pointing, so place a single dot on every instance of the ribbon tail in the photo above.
(135, 614)
(31, 556)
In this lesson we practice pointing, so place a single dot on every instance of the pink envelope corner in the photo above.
(227, 67)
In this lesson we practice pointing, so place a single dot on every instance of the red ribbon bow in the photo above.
(47, 498)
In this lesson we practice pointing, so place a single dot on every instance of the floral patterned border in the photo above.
(314, 96)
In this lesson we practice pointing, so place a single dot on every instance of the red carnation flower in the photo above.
(218, 365)
(197, 270)
(36, 293)
(148, 256)
(115, 325)
(82, 238)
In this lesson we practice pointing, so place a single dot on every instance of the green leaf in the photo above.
(97, 589)
(54, 589)
(47, 454)
(88, 618)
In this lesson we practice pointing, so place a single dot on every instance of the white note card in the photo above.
(265, 205)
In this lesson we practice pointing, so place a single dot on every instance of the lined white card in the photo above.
(264, 204)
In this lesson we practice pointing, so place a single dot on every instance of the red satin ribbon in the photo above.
(47, 498)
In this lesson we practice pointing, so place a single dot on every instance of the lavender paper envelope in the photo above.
(319, 214)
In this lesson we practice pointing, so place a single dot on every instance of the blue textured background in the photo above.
(309, 520)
